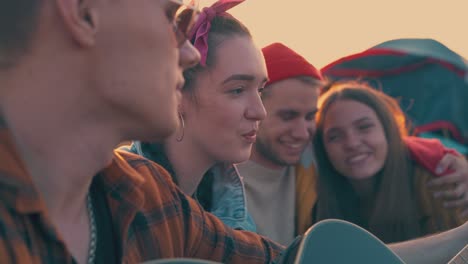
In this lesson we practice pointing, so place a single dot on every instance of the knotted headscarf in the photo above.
(199, 32)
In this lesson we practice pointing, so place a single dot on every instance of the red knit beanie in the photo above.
(283, 63)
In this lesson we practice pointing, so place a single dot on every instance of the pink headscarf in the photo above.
(199, 32)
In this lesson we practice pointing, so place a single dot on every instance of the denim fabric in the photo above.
(228, 201)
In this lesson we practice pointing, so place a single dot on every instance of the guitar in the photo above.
(180, 261)
(460, 258)
(329, 241)
(337, 241)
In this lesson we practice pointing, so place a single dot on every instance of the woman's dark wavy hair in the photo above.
(394, 216)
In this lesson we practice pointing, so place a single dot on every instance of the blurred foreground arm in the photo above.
(438, 248)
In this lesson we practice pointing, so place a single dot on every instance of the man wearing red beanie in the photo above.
(291, 102)
(280, 178)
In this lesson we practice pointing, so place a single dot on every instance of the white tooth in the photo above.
(358, 158)
(294, 145)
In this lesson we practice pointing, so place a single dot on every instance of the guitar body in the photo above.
(460, 258)
(180, 261)
(336, 241)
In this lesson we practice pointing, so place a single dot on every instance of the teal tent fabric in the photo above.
(429, 80)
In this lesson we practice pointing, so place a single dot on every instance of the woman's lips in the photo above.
(250, 137)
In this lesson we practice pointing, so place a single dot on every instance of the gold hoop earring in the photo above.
(182, 124)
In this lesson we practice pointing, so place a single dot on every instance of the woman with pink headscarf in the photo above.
(219, 115)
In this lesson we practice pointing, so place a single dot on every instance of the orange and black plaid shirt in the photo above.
(150, 215)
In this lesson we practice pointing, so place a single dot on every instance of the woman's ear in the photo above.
(80, 18)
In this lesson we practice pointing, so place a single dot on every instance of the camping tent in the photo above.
(429, 80)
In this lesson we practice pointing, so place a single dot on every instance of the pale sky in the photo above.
(323, 31)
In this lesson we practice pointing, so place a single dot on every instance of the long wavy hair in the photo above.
(394, 213)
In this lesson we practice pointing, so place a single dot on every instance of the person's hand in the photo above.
(458, 178)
